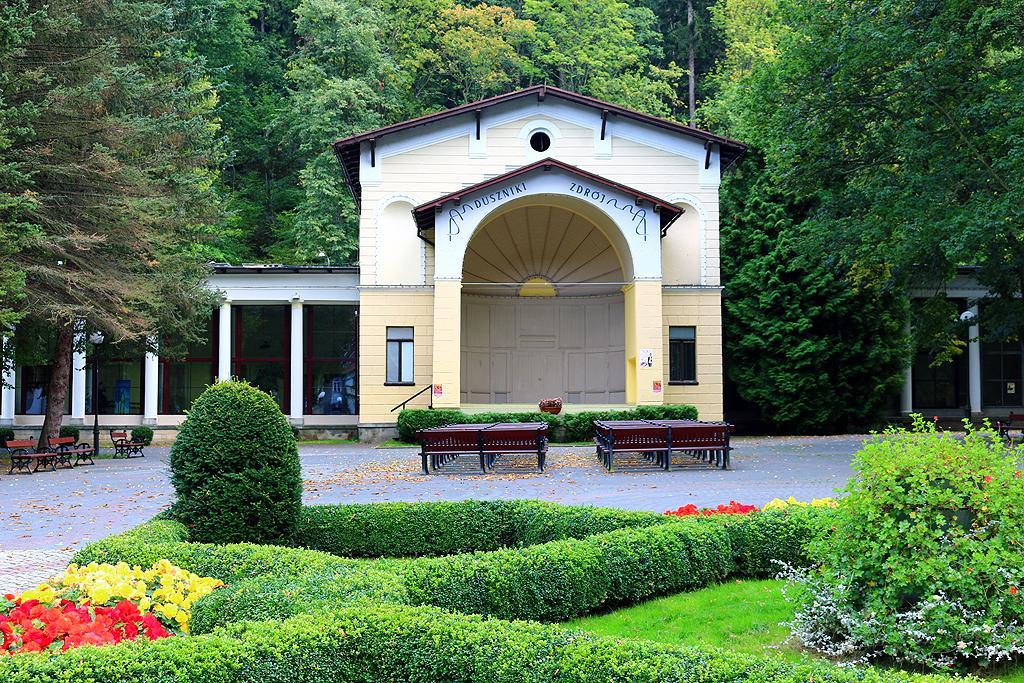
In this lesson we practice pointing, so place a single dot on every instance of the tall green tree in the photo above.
(342, 81)
(692, 40)
(905, 121)
(812, 351)
(807, 343)
(604, 48)
(109, 159)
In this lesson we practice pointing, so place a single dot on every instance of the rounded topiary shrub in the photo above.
(923, 560)
(235, 468)
(69, 430)
(142, 434)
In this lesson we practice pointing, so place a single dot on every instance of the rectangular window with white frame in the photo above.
(682, 355)
(399, 356)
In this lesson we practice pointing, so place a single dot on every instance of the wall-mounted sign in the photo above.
(438, 390)
(656, 386)
(645, 358)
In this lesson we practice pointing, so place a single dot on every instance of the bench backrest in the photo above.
(118, 435)
(696, 436)
(1012, 418)
(639, 435)
(505, 436)
(61, 440)
(460, 438)
(21, 443)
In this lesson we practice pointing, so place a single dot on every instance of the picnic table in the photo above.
(663, 443)
(485, 442)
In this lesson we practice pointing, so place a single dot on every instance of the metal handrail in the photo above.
(417, 395)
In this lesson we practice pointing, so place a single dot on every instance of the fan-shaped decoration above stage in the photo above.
(532, 249)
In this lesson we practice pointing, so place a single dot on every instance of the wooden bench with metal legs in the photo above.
(487, 441)
(23, 455)
(657, 441)
(509, 438)
(125, 446)
(66, 447)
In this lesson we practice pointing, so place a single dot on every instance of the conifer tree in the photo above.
(108, 138)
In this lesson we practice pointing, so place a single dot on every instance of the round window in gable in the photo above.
(540, 141)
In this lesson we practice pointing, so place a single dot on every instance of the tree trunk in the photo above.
(691, 50)
(57, 391)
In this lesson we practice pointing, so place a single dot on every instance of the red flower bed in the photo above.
(733, 508)
(33, 627)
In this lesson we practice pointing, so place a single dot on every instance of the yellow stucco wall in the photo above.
(447, 341)
(423, 174)
(701, 308)
(643, 312)
(392, 307)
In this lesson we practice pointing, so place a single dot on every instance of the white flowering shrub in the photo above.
(923, 563)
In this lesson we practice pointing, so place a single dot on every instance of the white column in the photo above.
(78, 380)
(974, 362)
(152, 382)
(295, 391)
(7, 391)
(224, 343)
(907, 393)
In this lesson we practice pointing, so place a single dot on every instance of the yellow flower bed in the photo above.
(780, 504)
(166, 590)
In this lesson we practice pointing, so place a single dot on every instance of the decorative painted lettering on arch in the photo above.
(638, 214)
(458, 213)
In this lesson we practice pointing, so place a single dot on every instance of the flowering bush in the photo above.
(164, 589)
(733, 508)
(780, 504)
(924, 560)
(31, 626)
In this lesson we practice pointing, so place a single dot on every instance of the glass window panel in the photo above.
(682, 333)
(120, 386)
(270, 376)
(334, 388)
(407, 362)
(331, 331)
(399, 334)
(262, 331)
(392, 362)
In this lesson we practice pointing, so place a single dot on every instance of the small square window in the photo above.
(682, 355)
(399, 357)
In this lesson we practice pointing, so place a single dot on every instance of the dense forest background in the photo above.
(141, 139)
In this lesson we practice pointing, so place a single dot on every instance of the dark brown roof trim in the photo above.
(424, 213)
(347, 149)
(229, 269)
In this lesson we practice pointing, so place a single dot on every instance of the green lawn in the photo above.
(742, 616)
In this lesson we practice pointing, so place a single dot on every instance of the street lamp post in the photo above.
(96, 338)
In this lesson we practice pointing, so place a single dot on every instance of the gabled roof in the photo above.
(424, 213)
(347, 149)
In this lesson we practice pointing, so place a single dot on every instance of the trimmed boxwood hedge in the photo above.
(567, 427)
(303, 614)
(395, 644)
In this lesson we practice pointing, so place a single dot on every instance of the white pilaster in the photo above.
(152, 382)
(78, 380)
(907, 393)
(224, 342)
(974, 362)
(295, 391)
(7, 390)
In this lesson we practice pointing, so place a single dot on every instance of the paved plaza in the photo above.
(47, 516)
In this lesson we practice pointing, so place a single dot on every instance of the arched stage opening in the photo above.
(542, 310)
